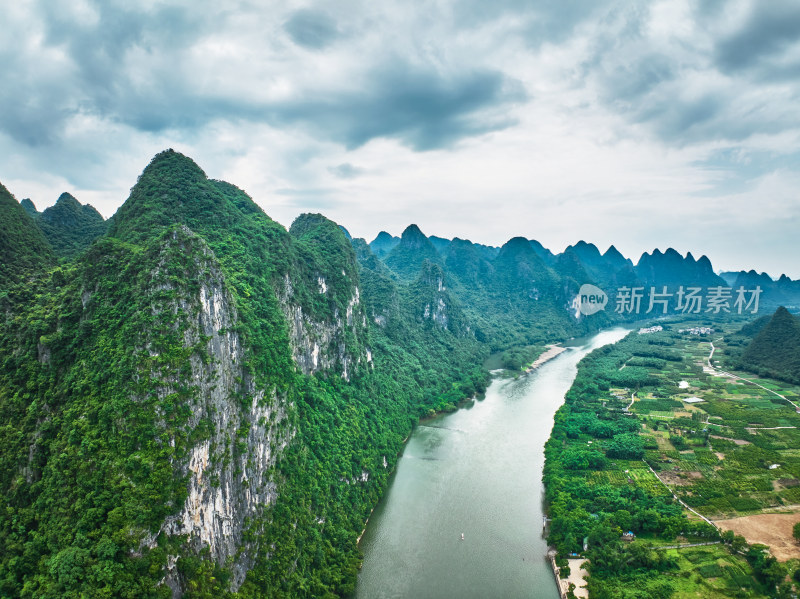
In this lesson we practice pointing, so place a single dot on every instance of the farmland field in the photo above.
(659, 439)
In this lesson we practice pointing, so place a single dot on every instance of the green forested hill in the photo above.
(383, 243)
(414, 248)
(69, 226)
(23, 248)
(775, 348)
(197, 347)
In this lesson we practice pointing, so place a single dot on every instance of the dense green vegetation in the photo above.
(106, 374)
(775, 349)
(613, 437)
(23, 249)
(68, 226)
(593, 425)
(101, 473)
(98, 472)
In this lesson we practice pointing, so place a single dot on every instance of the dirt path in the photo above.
(698, 514)
(688, 545)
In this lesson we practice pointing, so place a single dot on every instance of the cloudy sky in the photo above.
(644, 125)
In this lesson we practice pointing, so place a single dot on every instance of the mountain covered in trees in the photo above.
(195, 401)
(23, 247)
(773, 347)
(69, 226)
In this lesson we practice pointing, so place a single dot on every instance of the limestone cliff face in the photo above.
(434, 302)
(228, 470)
(336, 343)
(320, 296)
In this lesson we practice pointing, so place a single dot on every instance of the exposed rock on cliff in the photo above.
(235, 422)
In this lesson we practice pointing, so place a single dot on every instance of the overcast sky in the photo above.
(639, 124)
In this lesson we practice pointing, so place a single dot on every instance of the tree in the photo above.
(628, 446)
(738, 544)
(796, 532)
(727, 537)
(623, 519)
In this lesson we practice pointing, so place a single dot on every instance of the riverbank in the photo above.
(475, 472)
(651, 467)
(394, 468)
(577, 576)
(551, 352)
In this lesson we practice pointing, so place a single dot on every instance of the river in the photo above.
(476, 472)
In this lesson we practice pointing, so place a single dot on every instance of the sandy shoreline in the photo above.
(577, 576)
(551, 352)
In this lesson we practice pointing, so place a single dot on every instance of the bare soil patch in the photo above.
(679, 479)
(774, 530)
(784, 483)
(737, 441)
(578, 574)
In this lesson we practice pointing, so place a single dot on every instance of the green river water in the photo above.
(476, 472)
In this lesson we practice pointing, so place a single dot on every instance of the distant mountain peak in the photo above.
(613, 255)
(68, 198)
(585, 245)
(671, 269)
(29, 206)
(69, 212)
(414, 238)
(383, 236)
(383, 243)
(517, 244)
(69, 226)
(587, 253)
(519, 248)
(705, 263)
(412, 231)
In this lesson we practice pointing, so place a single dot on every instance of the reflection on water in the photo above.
(474, 472)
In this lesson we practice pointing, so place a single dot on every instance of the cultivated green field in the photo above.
(654, 440)
(719, 455)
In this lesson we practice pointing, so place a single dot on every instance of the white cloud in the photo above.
(633, 124)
